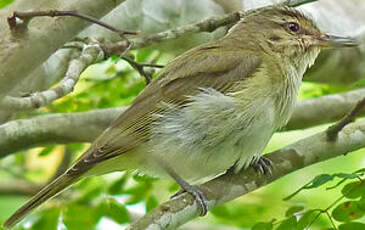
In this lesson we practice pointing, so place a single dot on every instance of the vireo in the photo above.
(213, 108)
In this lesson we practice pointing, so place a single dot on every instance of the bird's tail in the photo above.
(46, 193)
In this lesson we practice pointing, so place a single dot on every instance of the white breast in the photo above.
(211, 134)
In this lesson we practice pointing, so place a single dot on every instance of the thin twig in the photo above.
(27, 16)
(140, 68)
(208, 25)
(295, 3)
(331, 220)
(332, 131)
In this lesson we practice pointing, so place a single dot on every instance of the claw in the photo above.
(263, 166)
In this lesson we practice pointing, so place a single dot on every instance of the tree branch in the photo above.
(61, 128)
(33, 48)
(207, 25)
(19, 187)
(27, 16)
(333, 130)
(54, 128)
(89, 55)
(176, 212)
(325, 109)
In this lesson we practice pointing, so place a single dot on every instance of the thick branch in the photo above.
(86, 126)
(19, 187)
(55, 128)
(326, 109)
(176, 212)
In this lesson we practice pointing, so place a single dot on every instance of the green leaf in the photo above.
(117, 186)
(46, 151)
(346, 175)
(354, 190)
(361, 203)
(48, 219)
(288, 224)
(306, 219)
(138, 192)
(114, 210)
(347, 211)
(360, 171)
(263, 226)
(320, 180)
(151, 203)
(292, 210)
(90, 189)
(352, 226)
(80, 217)
(316, 182)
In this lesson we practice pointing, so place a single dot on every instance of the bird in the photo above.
(212, 109)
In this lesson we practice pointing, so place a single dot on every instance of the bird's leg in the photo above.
(193, 190)
(262, 165)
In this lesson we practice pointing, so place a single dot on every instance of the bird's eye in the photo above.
(293, 27)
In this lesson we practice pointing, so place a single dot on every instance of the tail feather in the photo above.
(49, 191)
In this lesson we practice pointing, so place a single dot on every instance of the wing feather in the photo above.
(208, 66)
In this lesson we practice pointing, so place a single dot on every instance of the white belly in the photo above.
(210, 135)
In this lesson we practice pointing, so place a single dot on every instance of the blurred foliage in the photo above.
(4, 3)
(95, 202)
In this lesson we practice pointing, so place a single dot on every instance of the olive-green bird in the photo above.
(213, 108)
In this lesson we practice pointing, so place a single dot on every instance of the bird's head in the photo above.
(285, 31)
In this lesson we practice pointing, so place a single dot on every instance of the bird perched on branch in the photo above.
(213, 108)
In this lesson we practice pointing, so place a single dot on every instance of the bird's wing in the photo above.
(208, 66)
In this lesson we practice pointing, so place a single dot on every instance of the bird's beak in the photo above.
(333, 41)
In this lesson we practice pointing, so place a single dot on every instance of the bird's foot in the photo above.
(198, 196)
(263, 165)
(186, 187)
